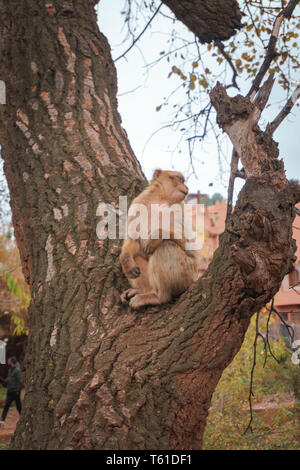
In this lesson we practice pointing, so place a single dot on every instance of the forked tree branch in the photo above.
(239, 117)
(271, 53)
(262, 98)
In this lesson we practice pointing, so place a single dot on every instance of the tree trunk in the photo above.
(99, 376)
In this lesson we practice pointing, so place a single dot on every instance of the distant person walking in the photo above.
(14, 387)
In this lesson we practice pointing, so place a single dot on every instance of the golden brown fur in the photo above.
(159, 269)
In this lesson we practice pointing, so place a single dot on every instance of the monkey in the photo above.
(158, 264)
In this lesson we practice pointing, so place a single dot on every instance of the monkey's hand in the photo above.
(130, 268)
(128, 294)
(151, 246)
(133, 272)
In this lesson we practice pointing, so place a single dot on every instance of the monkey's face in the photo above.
(173, 185)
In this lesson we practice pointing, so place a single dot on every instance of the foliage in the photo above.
(2, 392)
(215, 197)
(15, 288)
(229, 412)
(4, 445)
(14, 295)
(20, 327)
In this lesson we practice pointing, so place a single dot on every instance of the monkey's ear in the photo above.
(157, 173)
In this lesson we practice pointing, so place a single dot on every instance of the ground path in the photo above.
(7, 431)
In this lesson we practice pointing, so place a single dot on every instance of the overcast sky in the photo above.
(141, 120)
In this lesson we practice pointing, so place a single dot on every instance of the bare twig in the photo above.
(267, 331)
(293, 287)
(226, 56)
(207, 110)
(251, 394)
(289, 328)
(284, 112)
(267, 336)
(266, 342)
(141, 33)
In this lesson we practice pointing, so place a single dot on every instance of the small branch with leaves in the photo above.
(251, 394)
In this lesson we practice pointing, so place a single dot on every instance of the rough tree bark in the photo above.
(209, 20)
(99, 376)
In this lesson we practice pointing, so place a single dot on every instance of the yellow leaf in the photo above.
(203, 82)
(176, 70)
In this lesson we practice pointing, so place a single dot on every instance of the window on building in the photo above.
(294, 279)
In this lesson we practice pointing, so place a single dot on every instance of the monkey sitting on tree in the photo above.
(158, 258)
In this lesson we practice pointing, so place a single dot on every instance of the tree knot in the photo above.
(243, 258)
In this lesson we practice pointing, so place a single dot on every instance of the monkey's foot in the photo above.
(139, 300)
(127, 294)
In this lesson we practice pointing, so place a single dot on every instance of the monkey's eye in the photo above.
(176, 178)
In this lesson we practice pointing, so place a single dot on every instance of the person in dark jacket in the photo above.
(14, 387)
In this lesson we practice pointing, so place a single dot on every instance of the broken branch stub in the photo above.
(238, 117)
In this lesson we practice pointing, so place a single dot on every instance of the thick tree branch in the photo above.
(206, 19)
(263, 95)
(238, 117)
